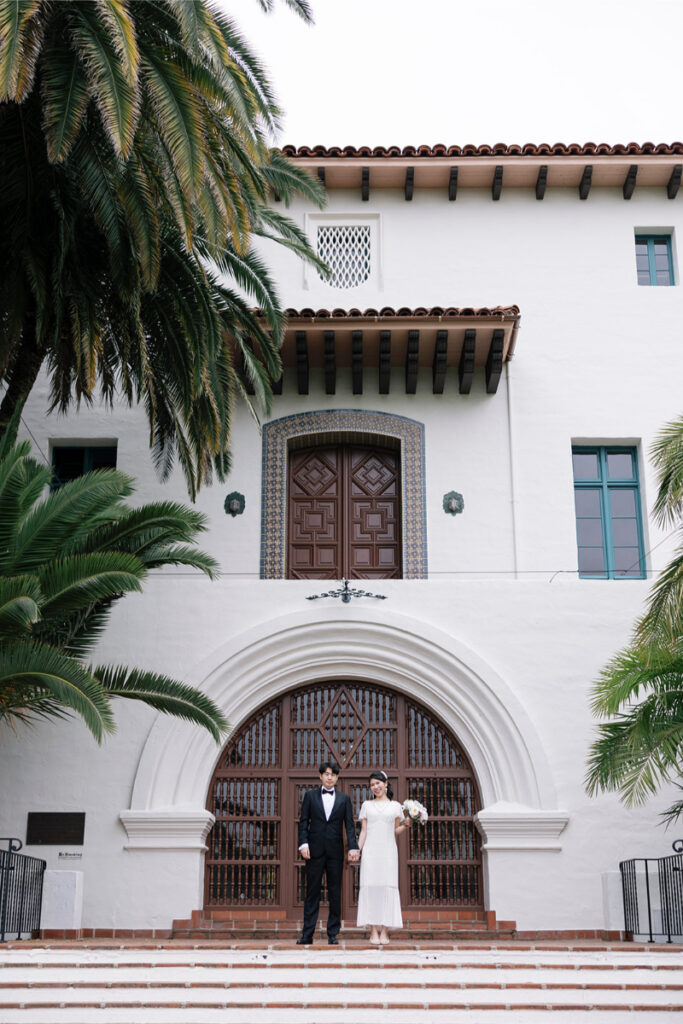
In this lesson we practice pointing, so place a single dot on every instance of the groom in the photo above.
(325, 814)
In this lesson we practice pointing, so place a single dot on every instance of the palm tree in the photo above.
(64, 560)
(640, 691)
(134, 175)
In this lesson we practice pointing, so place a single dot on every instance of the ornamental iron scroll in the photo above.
(346, 593)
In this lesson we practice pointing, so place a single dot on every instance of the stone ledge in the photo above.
(166, 830)
(508, 826)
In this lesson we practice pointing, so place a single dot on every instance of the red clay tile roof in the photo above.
(499, 149)
(387, 312)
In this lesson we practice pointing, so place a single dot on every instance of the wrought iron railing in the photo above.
(653, 896)
(21, 890)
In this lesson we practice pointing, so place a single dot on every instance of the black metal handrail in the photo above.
(653, 895)
(21, 890)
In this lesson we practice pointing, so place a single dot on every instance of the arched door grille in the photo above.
(266, 768)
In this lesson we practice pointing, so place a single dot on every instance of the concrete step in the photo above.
(405, 935)
(88, 984)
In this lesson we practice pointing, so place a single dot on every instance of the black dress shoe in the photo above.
(332, 940)
(304, 941)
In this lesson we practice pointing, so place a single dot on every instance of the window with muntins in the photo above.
(347, 251)
(608, 515)
(71, 461)
(654, 262)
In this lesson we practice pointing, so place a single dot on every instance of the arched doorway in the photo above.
(261, 776)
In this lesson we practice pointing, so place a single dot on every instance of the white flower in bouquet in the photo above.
(414, 810)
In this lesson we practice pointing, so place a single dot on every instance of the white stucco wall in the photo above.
(598, 360)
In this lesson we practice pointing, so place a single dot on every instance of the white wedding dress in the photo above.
(379, 902)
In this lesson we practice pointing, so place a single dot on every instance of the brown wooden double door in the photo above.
(344, 513)
(263, 773)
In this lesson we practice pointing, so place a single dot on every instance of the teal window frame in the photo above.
(606, 485)
(88, 460)
(650, 241)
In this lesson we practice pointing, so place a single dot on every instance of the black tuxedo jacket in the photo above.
(326, 836)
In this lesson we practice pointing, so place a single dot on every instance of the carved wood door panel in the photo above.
(344, 513)
(261, 776)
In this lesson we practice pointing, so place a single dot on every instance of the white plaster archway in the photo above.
(517, 790)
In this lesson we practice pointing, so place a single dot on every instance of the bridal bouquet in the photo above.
(415, 811)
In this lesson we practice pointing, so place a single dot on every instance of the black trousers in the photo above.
(330, 865)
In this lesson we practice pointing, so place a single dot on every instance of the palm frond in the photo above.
(663, 616)
(22, 483)
(74, 583)
(21, 32)
(156, 556)
(300, 7)
(116, 17)
(65, 98)
(289, 180)
(163, 694)
(178, 117)
(64, 516)
(34, 665)
(20, 599)
(111, 80)
(666, 454)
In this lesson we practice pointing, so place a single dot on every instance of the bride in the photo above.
(379, 903)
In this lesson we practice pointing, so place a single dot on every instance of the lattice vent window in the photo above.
(346, 250)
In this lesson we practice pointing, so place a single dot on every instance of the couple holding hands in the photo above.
(326, 814)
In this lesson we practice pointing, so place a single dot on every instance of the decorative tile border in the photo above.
(330, 425)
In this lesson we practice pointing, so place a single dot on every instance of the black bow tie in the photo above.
(328, 792)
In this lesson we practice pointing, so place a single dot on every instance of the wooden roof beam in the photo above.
(497, 186)
(365, 184)
(453, 184)
(674, 182)
(410, 183)
(330, 362)
(302, 362)
(466, 367)
(494, 362)
(439, 364)
(585, 186)
(541, 181)
(321, 176)
(412, 350)
(357, 362)
(630, 183)
(384, 362)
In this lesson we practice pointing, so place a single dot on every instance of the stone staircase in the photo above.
(112, 982)
(234, 926)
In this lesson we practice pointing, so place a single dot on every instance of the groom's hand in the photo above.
(305, 852)
(354, 856)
